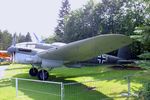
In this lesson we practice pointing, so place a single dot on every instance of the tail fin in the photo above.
(124, 53)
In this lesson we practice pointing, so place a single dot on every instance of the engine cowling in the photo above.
(27, 59)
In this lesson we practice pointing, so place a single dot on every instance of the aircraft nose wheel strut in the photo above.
(43, 75)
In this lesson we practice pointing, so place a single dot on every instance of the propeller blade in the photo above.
(14, 40)
(38, 40)
(13, 57)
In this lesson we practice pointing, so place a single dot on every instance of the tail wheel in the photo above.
(33, 71)
(43, 75)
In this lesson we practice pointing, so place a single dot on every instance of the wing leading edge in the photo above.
(87, 48)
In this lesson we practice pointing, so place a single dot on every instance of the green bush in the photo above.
(144, 94)
(145, 56)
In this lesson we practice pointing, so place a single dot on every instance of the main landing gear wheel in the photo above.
(43, 75)
(33, 71)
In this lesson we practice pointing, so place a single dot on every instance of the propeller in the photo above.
(12, 49)
(14, 40)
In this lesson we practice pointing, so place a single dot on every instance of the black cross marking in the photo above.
(101, 59)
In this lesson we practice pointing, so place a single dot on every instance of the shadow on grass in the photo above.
(46, 91)
(38, 91)
(17, 68)
(4, 64)
(97, 73)
(5, 82)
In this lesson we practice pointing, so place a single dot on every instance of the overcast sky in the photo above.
(38, 16)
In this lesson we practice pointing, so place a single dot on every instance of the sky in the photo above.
(34, 16)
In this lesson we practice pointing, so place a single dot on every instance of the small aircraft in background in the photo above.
(49, 56)
(4, 56)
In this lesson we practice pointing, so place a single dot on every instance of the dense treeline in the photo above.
(6, 39)
(108, 16)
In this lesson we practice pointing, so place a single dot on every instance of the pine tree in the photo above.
(21, 38)
(64, 11)
(28, 37)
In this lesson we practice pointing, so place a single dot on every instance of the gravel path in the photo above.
(2, 70)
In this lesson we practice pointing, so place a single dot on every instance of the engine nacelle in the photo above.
(27, 59)
(51, 63)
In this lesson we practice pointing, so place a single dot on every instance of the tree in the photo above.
(1, 41)
(80, 24)
(64, 11)
(144, 94)
(28, 37)
(108, 16)
(145, 56)
(24, 38)
(142, 34)
(5, 39)
(120, 16)
(21, 38)
(50, 39)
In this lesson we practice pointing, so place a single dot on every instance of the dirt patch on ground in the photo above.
(127, 67)
(2, 70)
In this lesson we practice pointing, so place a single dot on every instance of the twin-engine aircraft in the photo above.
(49, 56)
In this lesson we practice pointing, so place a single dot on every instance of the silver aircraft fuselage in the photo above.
(26, 53)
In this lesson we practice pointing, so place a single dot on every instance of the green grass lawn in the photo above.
(108, 83)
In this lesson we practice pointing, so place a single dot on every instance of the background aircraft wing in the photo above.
(87, 48)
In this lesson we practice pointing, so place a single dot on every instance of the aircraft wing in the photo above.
(87, 48)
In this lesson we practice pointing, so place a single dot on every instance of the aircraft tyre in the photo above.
(33, 71)
(43, 75)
